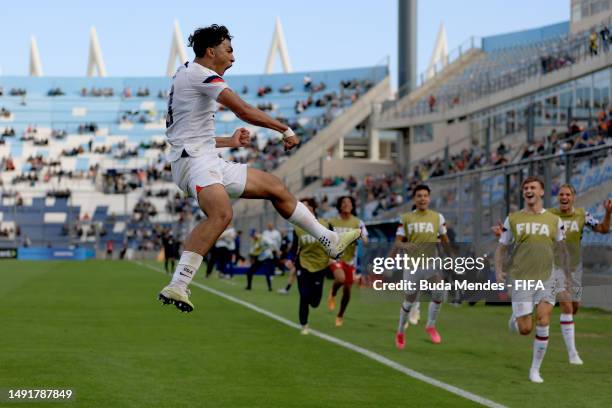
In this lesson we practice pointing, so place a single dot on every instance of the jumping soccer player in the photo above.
(197, 86)
(311, 264)
(418, 234)
(574, 220)
(535, 233)
(344, 269)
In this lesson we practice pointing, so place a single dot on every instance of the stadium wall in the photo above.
(527, 88)
(355, 167)
(500, 41)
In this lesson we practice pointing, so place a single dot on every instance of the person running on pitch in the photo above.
(538, 235)
(575, 220)
(344, 269)
(311, 266)
(418, 234)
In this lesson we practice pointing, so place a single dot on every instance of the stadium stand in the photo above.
(75, 153)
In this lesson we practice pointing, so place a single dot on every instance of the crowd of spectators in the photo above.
(380, 193)
(89, 127)
(140, 93)
(140, 116)
(10, 232)
(8, 132)
(512, 67)
(18, 92)
(143, 210)
(59, 193)
(57, 91)
(98, 92)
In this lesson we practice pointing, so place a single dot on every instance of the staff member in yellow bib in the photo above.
(537, 235)
(311, 266)
(344, 268)
(418, 235)
(575, 220)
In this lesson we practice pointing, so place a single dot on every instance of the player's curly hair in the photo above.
(311, 202)
(207, 37)
(339, 204)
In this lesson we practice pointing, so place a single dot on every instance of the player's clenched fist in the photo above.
(241, 137)
(290, 142)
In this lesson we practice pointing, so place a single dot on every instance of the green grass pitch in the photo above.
(95, 327)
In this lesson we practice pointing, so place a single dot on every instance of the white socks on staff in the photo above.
(568, 331)
(540, 343)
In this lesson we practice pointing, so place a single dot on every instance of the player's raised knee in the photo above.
(222, 215)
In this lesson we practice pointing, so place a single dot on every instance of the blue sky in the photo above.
(135, 35)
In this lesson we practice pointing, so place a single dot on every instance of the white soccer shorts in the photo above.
(525, 300)
(191, 174)
(576, 284)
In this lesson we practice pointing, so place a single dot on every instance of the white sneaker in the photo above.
(414, 315)
(535, 377)
(305, 330)
(344, 240)
(282, 291)
(513, 325)
(575, 359)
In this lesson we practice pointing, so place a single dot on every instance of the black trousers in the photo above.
(310, 285)
(221, 258)
(268, 267)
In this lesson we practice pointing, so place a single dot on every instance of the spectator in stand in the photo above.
(432, 102)
(574, 128)
(593, 43)
(307, 82)
(604, 34)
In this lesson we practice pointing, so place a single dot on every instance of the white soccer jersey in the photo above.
(190, 120)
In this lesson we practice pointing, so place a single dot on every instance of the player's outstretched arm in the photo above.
(240, 138)
(256, 117)
(604, 226)
(500, 256)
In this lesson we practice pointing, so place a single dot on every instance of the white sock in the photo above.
(304, 219)
(567, 329)
(540, 343)
(186, 268)
(434, 309)
(404, 312)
